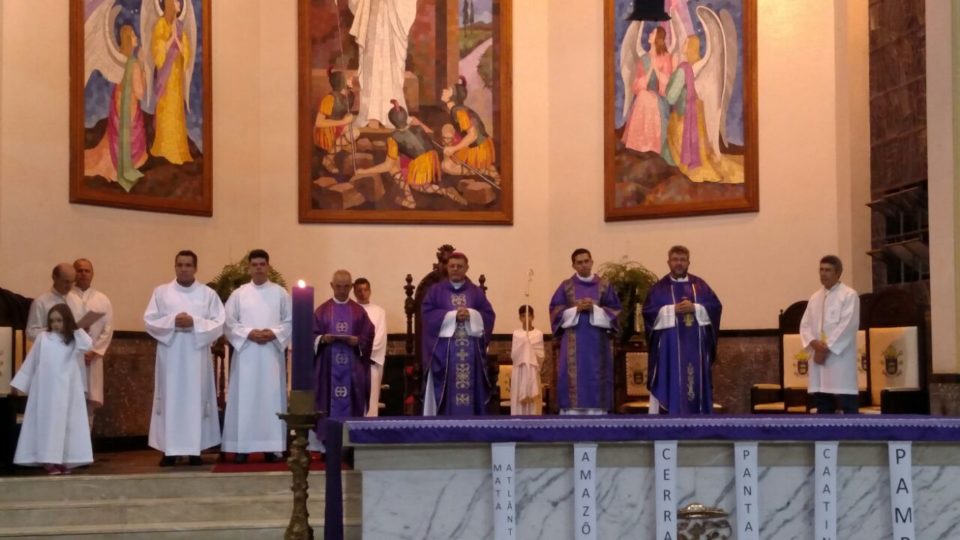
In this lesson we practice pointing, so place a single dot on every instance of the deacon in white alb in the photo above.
(259, 324)
(63, 277)
(361, 290)
(100, 331)
(829, 331)
(185, 317)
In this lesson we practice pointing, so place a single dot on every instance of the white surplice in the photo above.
(37, 319)
(185, 417)
(101, 332)
(258, 372)
(527, 355)
(378, 356)
(833, 316)
(55, 426)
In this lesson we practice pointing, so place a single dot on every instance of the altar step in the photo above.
(164, 506)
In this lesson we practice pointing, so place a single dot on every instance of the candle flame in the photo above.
(301, 283)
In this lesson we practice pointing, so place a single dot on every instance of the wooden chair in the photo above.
(898, 357)
(14, 310)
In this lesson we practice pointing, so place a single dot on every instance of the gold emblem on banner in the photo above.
(688, 320)
(463, 399)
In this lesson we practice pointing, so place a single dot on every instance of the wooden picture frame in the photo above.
(442, 37)
(116, 159)
(650, 170)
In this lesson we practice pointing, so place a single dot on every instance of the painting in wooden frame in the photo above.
(680, 110)
(423, 136)
(140, 105)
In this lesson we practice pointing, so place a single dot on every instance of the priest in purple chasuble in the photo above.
(457, 323)
(344, 336)
(681, 317)
(583, 316)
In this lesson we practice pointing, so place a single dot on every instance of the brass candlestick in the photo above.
(300, 417)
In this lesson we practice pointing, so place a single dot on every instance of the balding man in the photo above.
(63, 276)
(101, 332)
(344, 336)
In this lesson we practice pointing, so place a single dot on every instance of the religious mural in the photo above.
(140, 105)
(405, 111)
(680, 109)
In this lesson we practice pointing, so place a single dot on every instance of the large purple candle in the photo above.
(302, 342)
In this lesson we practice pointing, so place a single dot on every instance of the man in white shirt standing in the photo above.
(259, 325)
(63, 276)
(377, 315)
(100, 331)
(185, 317)
(828, 331)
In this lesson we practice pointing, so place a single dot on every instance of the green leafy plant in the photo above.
(632, 281)
(234, 275)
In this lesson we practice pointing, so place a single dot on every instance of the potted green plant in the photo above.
(632, 281)
(234, 275)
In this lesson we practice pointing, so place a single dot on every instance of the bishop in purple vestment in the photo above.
(681, 317)
(583, 316)
(344, 342)
(457, 323)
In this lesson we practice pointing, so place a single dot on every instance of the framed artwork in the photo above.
(405, 111)
(140, 105)
(680, 110)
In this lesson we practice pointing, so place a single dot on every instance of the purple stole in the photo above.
(456, 375)
(458, 363)
(680, 357)
(342, 374)
(585, 364)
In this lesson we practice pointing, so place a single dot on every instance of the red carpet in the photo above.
(255, 463)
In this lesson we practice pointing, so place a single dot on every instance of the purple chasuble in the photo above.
(680, 357)
(585, 362)
(457, 364)
(342, 372)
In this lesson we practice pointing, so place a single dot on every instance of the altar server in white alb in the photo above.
(828, 331)
(526, 351)
(93, 303)
(63, 277)
(259, 325)
(185, 317)
(377, 315)
(55, 434)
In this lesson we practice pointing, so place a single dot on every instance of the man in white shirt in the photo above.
(828, 331)
(259, 324)
(185, 317)
(100, 331)
(63, 276)
(377, 315)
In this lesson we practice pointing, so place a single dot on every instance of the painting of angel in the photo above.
(680, 109)
(140, 123)
(405, 111)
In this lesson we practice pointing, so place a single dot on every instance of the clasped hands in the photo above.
(584, 304)
(463, 314)
(820, 351)
(262, 337)
(183, 320)
(684, 306)
(349, 340)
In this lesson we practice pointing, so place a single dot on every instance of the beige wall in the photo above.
(942, 186)
(758, 263)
